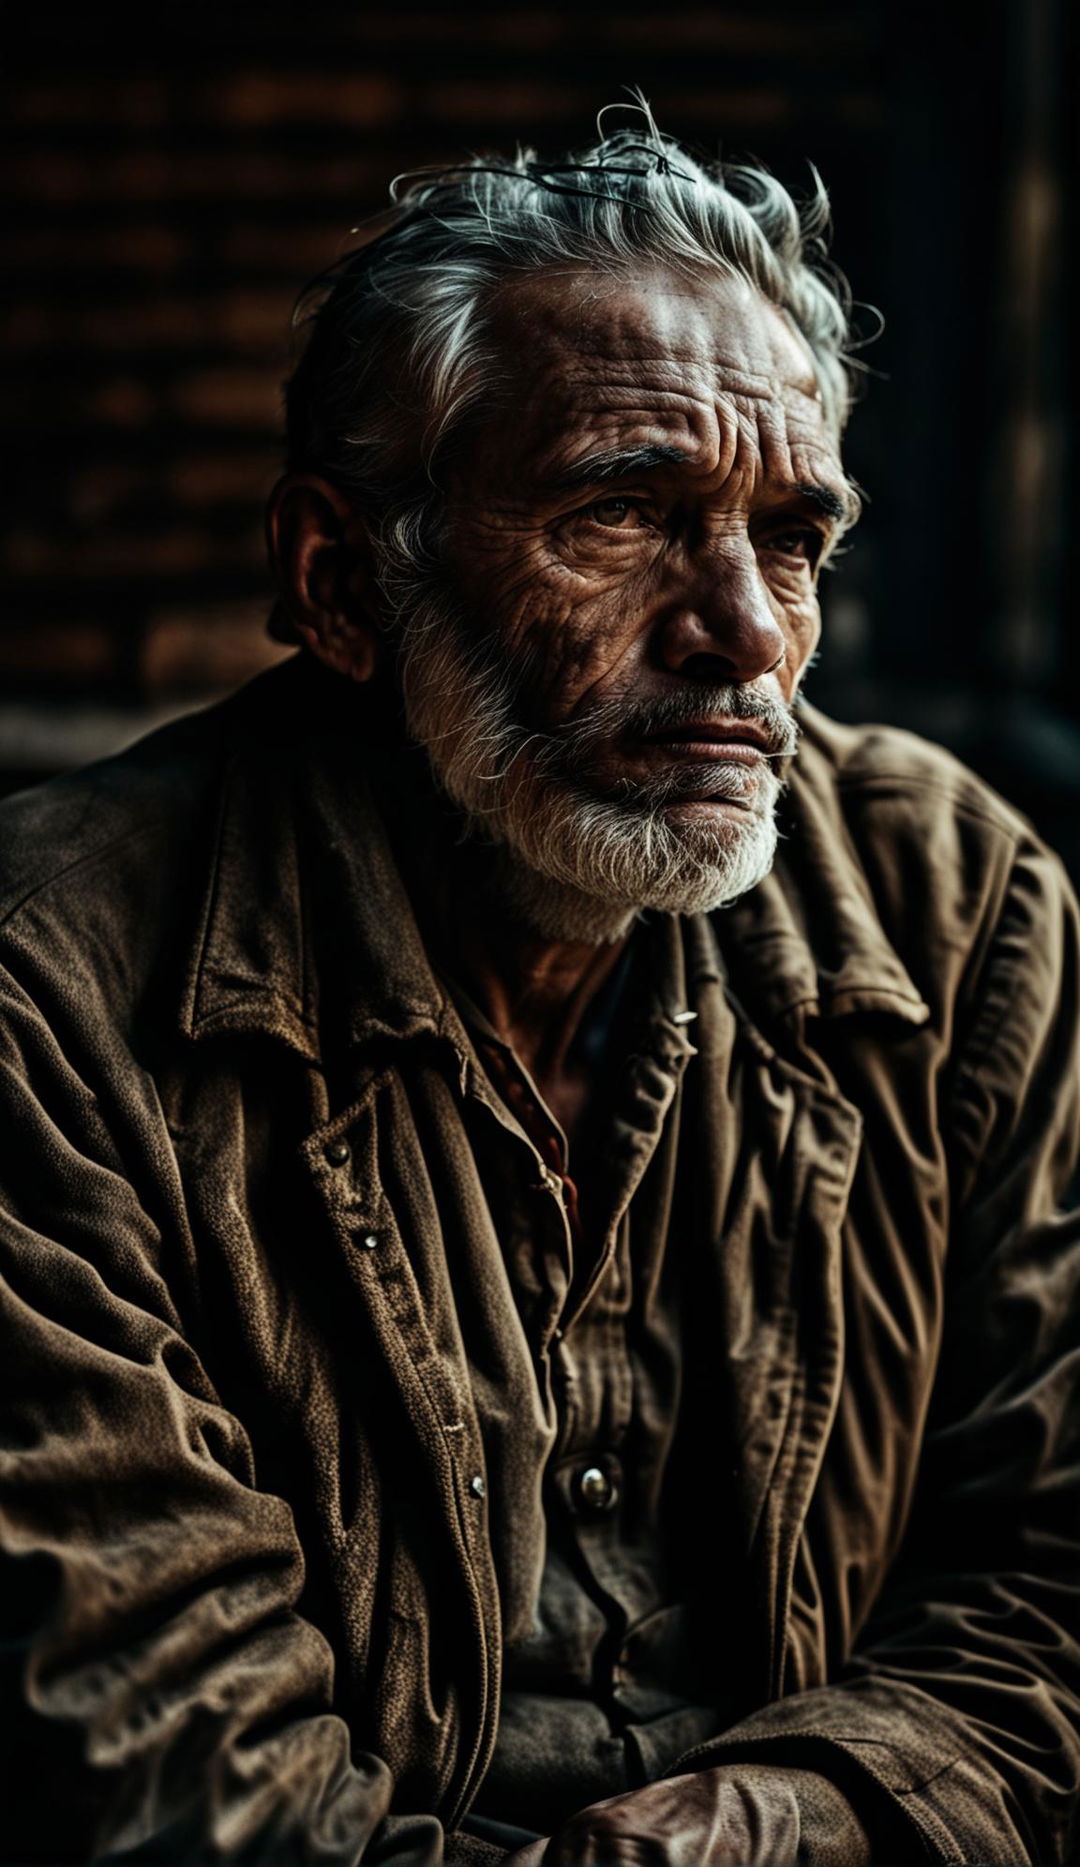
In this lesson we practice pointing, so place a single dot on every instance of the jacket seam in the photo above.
(211, 900)
(1009, 822)
(989, 1018)
(939, 1845)
(70, 868)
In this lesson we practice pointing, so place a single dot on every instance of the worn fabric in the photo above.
(731, 1814)
(252, 1291)
(600, 1687)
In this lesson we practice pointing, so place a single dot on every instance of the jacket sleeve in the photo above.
(956, 1728)
(162, 1700)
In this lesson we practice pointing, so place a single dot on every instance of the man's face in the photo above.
(632, 542)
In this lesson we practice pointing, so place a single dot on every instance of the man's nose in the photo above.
(721, 625)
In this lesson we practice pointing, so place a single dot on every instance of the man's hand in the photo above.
(740, 1815)
(730, 1817)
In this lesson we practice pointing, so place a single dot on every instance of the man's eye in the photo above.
(800, 541)
(617, 514)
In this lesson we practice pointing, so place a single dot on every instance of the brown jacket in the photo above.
(249, 1587)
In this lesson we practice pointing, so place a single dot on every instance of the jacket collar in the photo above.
(808, 940)
(305, 920)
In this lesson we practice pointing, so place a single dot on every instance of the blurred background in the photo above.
(167, 192)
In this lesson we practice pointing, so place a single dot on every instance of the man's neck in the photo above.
(534, 989)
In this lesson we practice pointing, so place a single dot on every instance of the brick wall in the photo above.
(167, 191)
(164, 206)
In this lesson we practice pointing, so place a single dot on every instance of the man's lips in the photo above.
(740, 740)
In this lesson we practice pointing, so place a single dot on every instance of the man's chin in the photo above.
(583, 853)
(713, 851)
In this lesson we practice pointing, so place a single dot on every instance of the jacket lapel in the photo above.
(806, 946)
(440, 1460)
(780, 1149)
(300, 849)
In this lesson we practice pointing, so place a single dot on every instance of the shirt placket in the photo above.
(587, 1329)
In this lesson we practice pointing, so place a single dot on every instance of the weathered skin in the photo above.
(707, 568)
(614, 588)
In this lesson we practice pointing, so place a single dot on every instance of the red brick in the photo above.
(139, 102)
(68, 650)
(174, 551)
(149, 248)
(122, 402)
(236, 320)
(175, 175)
(223, 479)
(206, 650)
(262, 99)
(243, 398)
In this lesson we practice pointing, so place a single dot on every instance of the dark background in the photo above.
(168, 190)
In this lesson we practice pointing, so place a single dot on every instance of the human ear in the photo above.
(319, 546)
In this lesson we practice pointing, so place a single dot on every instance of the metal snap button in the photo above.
(337, 1152)
(369, 1240)
(477, 1486)
(596, 1491)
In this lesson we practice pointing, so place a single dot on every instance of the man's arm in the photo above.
(954, 1734)
(163, 1699)
(961, 1706)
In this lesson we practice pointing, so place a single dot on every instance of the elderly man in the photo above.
(538, 1326)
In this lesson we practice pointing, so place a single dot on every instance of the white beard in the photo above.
(579, 864)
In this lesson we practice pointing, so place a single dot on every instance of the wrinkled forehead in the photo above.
(652, 355)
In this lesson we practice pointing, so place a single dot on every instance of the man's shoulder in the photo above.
(114, 878)
(905, 867)
(59, 838)
(900, 777)
(123, 821)
(914, 819)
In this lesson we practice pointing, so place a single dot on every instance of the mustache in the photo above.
(730, 701)
(713, 705)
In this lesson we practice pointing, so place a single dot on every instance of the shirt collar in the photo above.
(305, 920)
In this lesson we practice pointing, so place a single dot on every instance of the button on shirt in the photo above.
(600, 1690)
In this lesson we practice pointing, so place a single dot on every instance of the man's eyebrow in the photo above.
(619, 463)
(622, 463)
(834, 504)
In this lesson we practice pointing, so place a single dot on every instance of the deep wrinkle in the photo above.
(626, 620)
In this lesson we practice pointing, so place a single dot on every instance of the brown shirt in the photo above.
(600, 1689)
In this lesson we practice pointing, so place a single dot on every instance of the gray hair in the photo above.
(397, 353)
